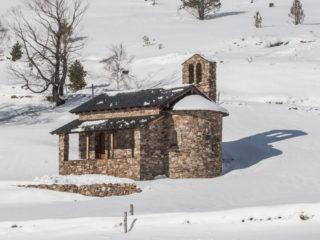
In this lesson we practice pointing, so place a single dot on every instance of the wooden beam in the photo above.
(87, 146)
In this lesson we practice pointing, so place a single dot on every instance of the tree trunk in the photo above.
(201, 13)
(61, 90)
(55, 96)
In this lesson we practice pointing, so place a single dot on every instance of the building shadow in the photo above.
(224, 14)
(249, 151)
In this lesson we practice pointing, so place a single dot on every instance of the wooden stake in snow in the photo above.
(131, 210)
(125, 222)
(92, 90)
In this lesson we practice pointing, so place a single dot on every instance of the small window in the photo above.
(199, 73)
(191, 73)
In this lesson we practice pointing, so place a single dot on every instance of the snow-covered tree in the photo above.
(296, 12)
(257, 20)
(200, 8)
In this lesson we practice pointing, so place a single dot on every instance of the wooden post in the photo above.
(111, 145)
(87, 146)
(92, 90)
(125, 222)
(131, 210)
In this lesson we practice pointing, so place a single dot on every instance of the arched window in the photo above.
(199, 72)
(191, 73)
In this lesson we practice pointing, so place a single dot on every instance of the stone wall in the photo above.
(154, 149)
(95, 190)
(181, 144)
(196, 156)
(123, 162)
(119, 113)
(63, 148)
(126, 167)
(208, 83)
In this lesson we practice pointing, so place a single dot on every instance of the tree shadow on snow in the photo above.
(249, 151)
(311, 24)
(30, 114)
(224, 14)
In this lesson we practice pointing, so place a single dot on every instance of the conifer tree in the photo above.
(257, 20)
(16, 52)
(296, 12)
(200, 8)
(77, 76)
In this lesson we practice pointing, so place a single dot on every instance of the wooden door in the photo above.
(102, 145)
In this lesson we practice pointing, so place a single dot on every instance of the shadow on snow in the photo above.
(248, 151)
(224, 14)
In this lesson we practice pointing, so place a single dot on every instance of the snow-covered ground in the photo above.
(271, 150)
(280, 222)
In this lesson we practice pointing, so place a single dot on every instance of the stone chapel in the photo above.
(140, 134)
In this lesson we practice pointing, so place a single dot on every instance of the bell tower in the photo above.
(202, 74)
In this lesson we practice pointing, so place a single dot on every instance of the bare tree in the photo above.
(3, 33)
(296, 12)
(200, 8)
(118, 65)
(49, 41)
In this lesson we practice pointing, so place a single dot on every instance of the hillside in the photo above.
(270, 139)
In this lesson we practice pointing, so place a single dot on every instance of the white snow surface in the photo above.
(270, 140)
(80, 180)
(197, 102)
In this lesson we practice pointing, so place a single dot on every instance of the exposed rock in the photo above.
(94, 190)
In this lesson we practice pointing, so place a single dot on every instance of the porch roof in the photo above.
(78, 126)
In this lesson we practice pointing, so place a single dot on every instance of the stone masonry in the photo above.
(207, 84)
(125, 162)
(199, 144)
(94, 190)
(175, 145)
(120, 113)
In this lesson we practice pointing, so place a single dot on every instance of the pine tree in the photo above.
(296, 12)
(77, 76)
(16, 52)
(257, 20)
(200, 8)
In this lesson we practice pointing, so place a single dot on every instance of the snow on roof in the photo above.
(81, 180)
(133, 98)
(197, 102)
(105, 124)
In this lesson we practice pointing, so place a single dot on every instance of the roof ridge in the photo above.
(131, 99)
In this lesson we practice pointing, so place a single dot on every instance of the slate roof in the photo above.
(198, 55)
(141, 98)
(77, 126)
